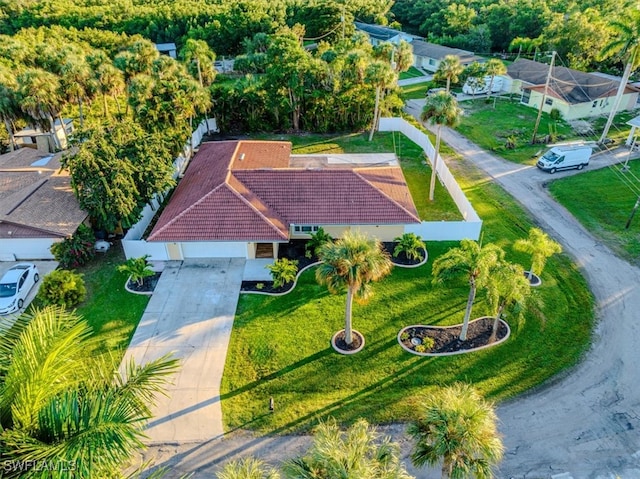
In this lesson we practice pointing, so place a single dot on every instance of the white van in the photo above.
(564, 158)
(475, 87)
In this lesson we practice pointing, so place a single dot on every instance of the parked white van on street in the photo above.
(565, 157)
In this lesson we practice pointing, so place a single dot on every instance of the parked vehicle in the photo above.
(15, 286)
(475, 86)
(565, 157)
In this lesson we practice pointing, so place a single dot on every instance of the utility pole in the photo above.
(544, 97)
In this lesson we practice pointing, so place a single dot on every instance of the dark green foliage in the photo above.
(75, 250)
(411, 245)
(63, 288)
(283, 271)
(137, 268)
(317, 239)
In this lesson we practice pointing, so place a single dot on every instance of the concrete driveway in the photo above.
(191, 316)
(44, 268)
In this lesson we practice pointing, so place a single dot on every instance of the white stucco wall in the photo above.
(26, 248)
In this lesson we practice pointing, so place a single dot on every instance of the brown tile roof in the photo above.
(224, 198)
(36, 201)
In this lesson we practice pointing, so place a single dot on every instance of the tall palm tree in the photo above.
(540, 247)
(61, 402)
(493, 68)
(352, 262)
(39, 97)
(9, 107)
(198, 54)
(248, 468)
(472, 261)
(440, 109)
(625, 43)
(381, 76)
(109, 80)
(458, 427)
(449, 69)
(506, 288)
(358, 452)
(77, 82)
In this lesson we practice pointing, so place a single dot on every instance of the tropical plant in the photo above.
(507, 287)
(61, 403)
(352, 263)
(411, 245)
(439, 109)
(381, 76)
(449, 69)
(317, 239)
(471, 261)
(358, 452)
(283, 271)
(76, 250)
(540, 247)
(247, 468)
(196, 53)
(625, 43)
(62, 287)
(137, 268)
(458, 427)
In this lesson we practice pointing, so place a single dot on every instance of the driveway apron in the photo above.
(190, 315)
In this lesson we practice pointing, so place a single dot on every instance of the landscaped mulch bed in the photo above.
(295, 250)
(401, 259)
(266, 287)
(447, 340)
(342, 345)
(148, 284)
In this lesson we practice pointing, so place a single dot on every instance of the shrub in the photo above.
(404, 336)
(283, 271)
(411, 245)
(137, 268)
(259, 286)
(75, 250)
(63, 288)
(317, 239)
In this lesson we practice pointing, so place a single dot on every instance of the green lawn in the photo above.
(602, 201)
(111, 311)
(489, 127)
(414, 92)
(280, 346)
(411, 157)
(412, 72)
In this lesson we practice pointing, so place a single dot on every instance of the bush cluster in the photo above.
(75, 250)
(63, 288)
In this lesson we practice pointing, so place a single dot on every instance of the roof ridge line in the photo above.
(387, 196)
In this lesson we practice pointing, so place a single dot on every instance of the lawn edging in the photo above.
(293, 285)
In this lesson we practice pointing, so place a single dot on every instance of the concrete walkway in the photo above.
(190, 315)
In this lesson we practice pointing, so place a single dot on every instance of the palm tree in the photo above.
(358, 452)
(248, 468)
(449, 69)
(625, 43)
(9, 106)
(494, 67)
(198, 54)
(352, 262)
(109, 80)
(471, 261)
(506, 287)
(440, 109)
(77, 82)
(540, 247)
(457, 427)
(381, 76)
(61, 402)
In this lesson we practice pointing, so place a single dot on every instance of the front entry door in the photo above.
(264, 250)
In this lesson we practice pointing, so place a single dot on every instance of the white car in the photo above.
(15, 286)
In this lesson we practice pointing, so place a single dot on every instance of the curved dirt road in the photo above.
(586, 425)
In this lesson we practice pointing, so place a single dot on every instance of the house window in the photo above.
(595, 104)
(548, 101)
(432, 62)
(526, 94)
(308, 229)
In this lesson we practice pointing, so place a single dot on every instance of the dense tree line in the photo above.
(222, 24)
(577, 30)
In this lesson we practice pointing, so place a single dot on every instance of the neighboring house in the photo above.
(168, 49)
(429, 55)
(35, 137)
(574, 93)
(37, 205)
(244, 198)
(378, 34)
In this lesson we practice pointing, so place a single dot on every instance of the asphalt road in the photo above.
(584, 425)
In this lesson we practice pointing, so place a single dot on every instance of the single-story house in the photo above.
(244, 198)
(429, 55)
(378, 34)
(37, 205)
(574, 93)
(35, 137)
(168, 49)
